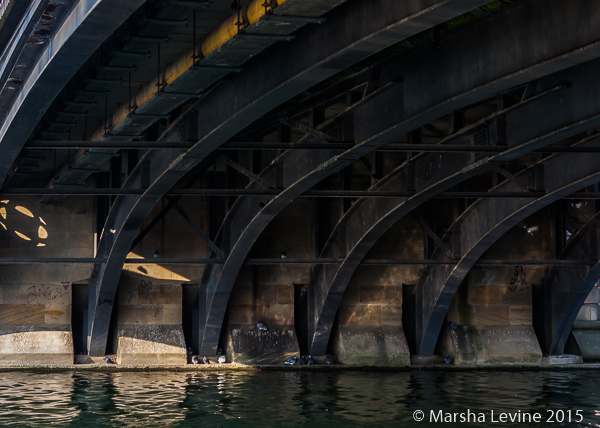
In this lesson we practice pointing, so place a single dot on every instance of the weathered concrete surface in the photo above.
(491, 344)
(370, 345)
(589, 344)
(248, 345)
(151, 344)
(27, 344)
(564, 359)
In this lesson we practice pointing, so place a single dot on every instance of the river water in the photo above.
(334, 398)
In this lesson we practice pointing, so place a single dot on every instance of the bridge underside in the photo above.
(394, 190)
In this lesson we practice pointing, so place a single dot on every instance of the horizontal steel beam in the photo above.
(275, 192)
(405, 148)
(290, 261)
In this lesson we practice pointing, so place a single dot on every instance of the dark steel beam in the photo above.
(66, 51)
(373, 129)
(563, 288)
(300, 65)
(391, 147)
(482, 224)
(290, 261)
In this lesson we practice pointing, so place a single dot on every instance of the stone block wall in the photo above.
(494, 304)
(35, 300)
(149, 302)
(369, 322)
(266, 293)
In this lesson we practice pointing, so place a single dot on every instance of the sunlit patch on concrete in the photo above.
(24, 211)
(152, 271)
(20, 235)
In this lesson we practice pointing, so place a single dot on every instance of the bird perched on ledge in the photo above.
(291, 361)
(195, 359)
(448, 359)
(302, 360)
(261, 326)
(311, 360)
(190, 351)
(107, 360)
(222, 359)
(205, 360)
(328, 360)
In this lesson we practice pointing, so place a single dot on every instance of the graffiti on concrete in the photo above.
(47, 292)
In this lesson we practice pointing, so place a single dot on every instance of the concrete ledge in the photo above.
(491, 344)
(564, 359)
(24, 344)
(248, 345)
(371, 345)
(151, 344)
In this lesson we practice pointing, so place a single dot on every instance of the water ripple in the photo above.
(287, 399)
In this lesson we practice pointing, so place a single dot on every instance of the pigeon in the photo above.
(302, 360)
(283, 255)
(448, 359)
(453, 326)
(190, 351)
(219, 351)
(222, 359)
(107, 360)
(195, 359)
(328, 360)
(156, 254)
(291, 361)
(531, 229)
(261, 326)
(310, 360)
(205, 360)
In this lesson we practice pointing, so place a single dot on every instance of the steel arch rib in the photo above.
(89, 23)
(562, 283)
(486, 221)
(573, 303)
(304, 63)
(248, 226)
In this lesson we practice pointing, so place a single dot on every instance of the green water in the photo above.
(295, 398)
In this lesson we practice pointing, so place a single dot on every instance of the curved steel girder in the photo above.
(249, 95)
(88, 24)
(572, 302)
(486, 221)
(568, 287)
(374, 128)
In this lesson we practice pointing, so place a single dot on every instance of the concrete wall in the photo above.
(35, 300)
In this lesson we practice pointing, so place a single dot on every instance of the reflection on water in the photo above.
(289, 398)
